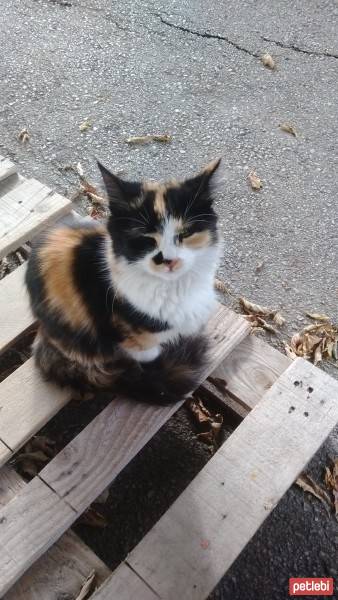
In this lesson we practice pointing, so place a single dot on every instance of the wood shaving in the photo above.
(307, 484)
(146, 139)
(268, 61)
(85, 125)
(24, 136)
(288, 129)
(254, 181)
(87, 587)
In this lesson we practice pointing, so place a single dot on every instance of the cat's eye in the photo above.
(183, 234)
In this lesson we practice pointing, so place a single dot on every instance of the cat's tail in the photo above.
(173, 375)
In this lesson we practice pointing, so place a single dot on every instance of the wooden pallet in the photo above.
(202, 533)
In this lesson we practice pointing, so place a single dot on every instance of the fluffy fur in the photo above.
(125, 304)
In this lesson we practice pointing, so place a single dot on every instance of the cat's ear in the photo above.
(121, 193)
(205, 184)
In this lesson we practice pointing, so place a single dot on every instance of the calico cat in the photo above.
(123, 306)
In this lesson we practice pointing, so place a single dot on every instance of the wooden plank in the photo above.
(5, 453)
(125, 585)
(16, 316)
(251, 369)
(92, 460)
(203, 532)
(10, 484)
(25, 210)
(7, 168)
(29, 525)
(61, 571)
(27, 402)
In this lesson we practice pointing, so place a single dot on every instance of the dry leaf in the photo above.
(220, 286)
(200, 413)
(317, 316)
(255, 309)
(316, 341)
(146, 139)
(79, 170)
(268, 61)
(37, 456)
(262, 323)
(28, 467)
(24, 136)
(85, 125)
(289, 352)
(207, 437)
(93, 518)
(254, 181)
(102, 498)
(279, 319)
(87, 587)
(209, 423)
(307, 484)
(288, 129)
(331, 481)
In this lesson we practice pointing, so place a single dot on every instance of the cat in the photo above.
(123, 305)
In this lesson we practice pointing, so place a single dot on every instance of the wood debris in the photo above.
(85, 125)
(146, 139)
(24, 136)
(268, 61)
(315, 342)
(209, 424)
(87, 587)
(288, 129)
(307, 484)
(331, 482)
(255, 181)
(256, 313)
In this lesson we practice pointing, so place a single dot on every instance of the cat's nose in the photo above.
(171, 263)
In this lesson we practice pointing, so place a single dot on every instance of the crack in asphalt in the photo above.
(212, 36)
(298, 49)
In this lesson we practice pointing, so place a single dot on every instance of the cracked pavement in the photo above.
(192, 69)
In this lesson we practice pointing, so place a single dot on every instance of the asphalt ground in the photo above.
(193, 70)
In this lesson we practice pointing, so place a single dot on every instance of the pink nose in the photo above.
(171, 263)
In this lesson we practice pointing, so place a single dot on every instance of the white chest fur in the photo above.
(185, 304)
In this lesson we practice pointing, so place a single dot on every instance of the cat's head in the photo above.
(165, 229)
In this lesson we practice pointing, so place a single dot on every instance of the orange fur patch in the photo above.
(134, 339)
(56, 265)
(201, 239)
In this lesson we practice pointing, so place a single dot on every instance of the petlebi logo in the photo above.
(311, 586)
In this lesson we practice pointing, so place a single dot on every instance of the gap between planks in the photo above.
(199, 537)
(77, 475)
(61, 571)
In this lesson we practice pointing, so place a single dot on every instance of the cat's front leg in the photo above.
(144, 355)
